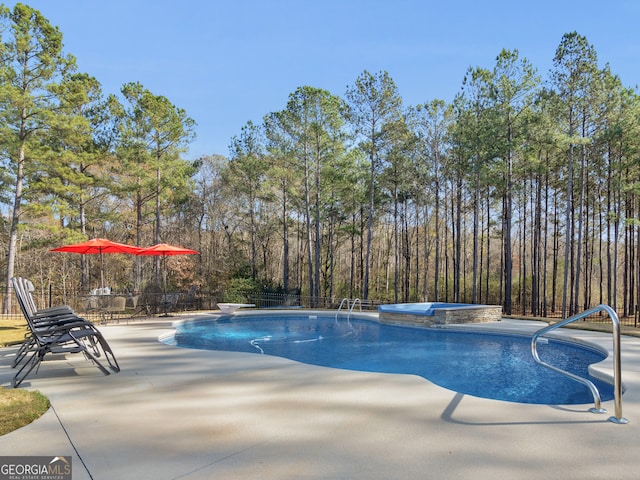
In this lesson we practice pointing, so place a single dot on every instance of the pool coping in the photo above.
(603, 370)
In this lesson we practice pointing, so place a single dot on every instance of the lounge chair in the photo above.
(58, 330)
(26, 291)
(47, 317)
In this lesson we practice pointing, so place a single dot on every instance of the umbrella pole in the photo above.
(101, 271)
(164, 274)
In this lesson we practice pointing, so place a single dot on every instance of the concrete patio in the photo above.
(175, 413)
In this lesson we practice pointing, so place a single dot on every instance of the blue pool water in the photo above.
(493, 366)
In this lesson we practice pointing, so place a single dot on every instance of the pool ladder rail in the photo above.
(617, 380)
(350, 306)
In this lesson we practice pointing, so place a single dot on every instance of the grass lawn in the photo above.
(20, 407)
(12, 330)
(17, 407)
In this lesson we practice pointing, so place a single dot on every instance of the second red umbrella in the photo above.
(165, 250)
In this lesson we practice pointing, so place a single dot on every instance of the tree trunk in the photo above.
(138, 260)
(156, 234)
(307, 210)
(457, 241)
(579, 227)
(365, 288)
(318, 233)
(568, 226)
(508, 255)
(476, 235)
(12, 251)
(436, 266)
(285, 240)
(396, 246)
(407, 254)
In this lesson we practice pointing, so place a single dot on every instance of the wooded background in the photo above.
(522, 191)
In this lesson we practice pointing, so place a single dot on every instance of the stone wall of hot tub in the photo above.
(445, 316)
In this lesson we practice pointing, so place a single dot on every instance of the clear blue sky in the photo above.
(228, 62)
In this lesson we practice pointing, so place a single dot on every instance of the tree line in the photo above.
(521, 191)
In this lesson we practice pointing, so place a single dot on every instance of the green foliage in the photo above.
(331, 195)
(240, 290)
(32, 72)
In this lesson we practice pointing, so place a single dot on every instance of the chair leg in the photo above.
(22, 351)
(106, 350)
(34, 361)
(108, 353)
(99, 344)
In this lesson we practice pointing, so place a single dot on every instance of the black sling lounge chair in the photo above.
(59, 332)
(49, 317)
(26, 289)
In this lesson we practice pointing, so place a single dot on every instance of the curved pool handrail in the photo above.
(359, 302)
(617, 380)
(342, 302)
(350, 307)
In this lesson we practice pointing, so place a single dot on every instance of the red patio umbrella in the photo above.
(165, 250)
(98, 246)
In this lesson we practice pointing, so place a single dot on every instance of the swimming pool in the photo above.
(496, 366)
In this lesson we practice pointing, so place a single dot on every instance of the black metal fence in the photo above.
(119, 306)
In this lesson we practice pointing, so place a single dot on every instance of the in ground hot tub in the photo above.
(438, 313)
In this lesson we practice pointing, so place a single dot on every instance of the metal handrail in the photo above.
(350, 307)
(617, 377)
(342, 302)
(358, 301)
